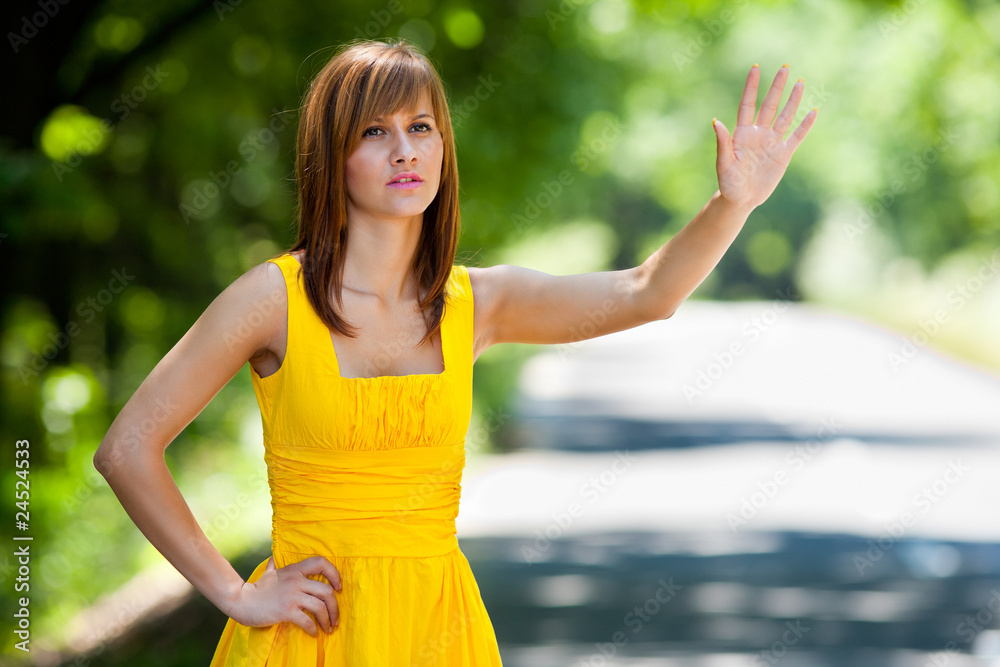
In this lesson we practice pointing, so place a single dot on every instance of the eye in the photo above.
(425, 128)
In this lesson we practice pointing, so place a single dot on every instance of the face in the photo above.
(409, 141)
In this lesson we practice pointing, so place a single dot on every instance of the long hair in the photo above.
(364, 80)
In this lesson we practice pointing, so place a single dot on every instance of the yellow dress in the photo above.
(367, 472)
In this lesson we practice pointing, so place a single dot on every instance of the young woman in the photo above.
(361, 340)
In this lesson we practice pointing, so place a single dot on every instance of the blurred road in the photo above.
(750, 483)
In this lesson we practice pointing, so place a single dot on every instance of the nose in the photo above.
(404, 150)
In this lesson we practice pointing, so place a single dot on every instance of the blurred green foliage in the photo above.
(157, 167)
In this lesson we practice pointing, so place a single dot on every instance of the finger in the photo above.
(770, 105)
(791, 106)
(322, 599)
(724, 147)
(320, 589)
(333, 610)
(324, 593)
(270, 564)
(301, 619)
(801, 131)
(332, 606)
(323, 566)
(748, 103)
(318, 609)
(320, 565)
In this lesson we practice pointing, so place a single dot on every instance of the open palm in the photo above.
(753, 159)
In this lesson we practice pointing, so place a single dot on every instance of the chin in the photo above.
(407, 212)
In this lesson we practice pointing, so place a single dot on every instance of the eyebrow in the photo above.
(422, 115)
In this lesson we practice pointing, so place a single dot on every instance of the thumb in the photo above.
(724, 147)
(270, 564)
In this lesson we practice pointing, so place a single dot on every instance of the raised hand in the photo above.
(750, 163)
(286, 593)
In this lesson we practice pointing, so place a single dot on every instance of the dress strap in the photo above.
(299, 307)
(458, 317)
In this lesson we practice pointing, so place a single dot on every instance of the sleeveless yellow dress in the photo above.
(367, 472)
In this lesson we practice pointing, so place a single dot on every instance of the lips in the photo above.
(406, 174)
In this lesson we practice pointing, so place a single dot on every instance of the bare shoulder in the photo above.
(264, 301)
(490, 282)
(481, 279)
(501, 293)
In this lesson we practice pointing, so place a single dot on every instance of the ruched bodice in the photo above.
(366, 413)
(367, 472)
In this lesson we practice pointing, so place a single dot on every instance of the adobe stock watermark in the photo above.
(588, 328)
(589, 152)
(389, 352)
(779, 648)
(553, 189)
(30, 25)
(478, 436)
(592, 490)
(223, 7)
(899, 16)
(924, 501)
(563, 11)
(914, 169)
(380, 20)
(261, 312)
(796, 459)
(713, 29)
(227, 514)
(636, 619)
(706, 377)
(971, 626)
(931, 326)
(814, 97)
(432, 651)
(472, 102)
(968, 629)
(217, 181)
(122, 106)
(432, 483)
(87, 310)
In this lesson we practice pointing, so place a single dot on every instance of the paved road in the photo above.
(809, 488)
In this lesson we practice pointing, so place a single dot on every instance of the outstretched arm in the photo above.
(519, 305)
(749, 164)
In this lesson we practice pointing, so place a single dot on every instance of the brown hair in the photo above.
(364, 80)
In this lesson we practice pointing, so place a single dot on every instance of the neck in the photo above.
(380, 257)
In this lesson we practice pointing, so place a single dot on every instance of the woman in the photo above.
(361, 340)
